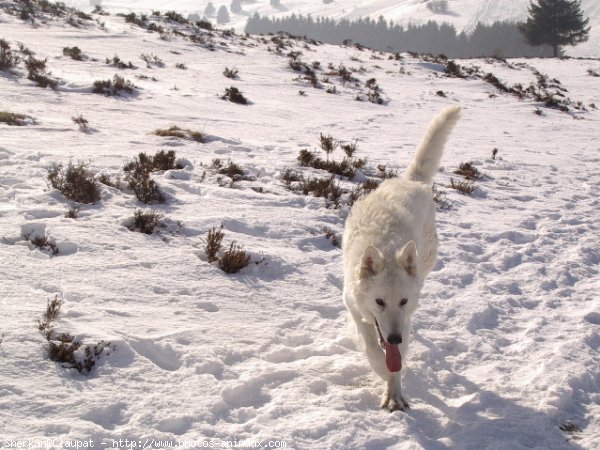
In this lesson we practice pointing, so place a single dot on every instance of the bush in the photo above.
(322, 187)
(114, 87)
(234, 259)
(42, 243)
(75, 182)
(289, 176)
(63, 348)
(138, 175)
(160, 161)
(212, 243)
(73, 52)
(107, 180)
(72, 213)
(8, 60)
(234, 95)
(164, 160)
(469, 171)
(374, 92)
(344, 73)
(176, 17)
(386, 173)
(230, 73)
(119, 63)
(175, 131)
(328, 144)
(15, 119)
(454, 70)
(494, 81)
(350, 149)
(152, 60)
(146, 222)
(363, 190)
(50, 316)
(139, 21)
(204, 25)
(57, 9)
(81, 121)
(36, 71)
(138, 178)
(466, 187)
(346, 168)
(232, 170)
(145, 189)
(156, 28)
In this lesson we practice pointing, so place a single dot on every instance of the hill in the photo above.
(463, 14)
(175, 352)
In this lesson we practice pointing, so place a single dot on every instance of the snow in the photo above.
(506, 338)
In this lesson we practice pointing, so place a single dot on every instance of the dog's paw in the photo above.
(392, 404)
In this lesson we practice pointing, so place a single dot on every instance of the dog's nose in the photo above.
(394, 339)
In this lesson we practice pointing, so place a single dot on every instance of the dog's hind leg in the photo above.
(392, 399)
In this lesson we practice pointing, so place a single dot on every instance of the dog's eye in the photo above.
(403, 302)
(380, 302)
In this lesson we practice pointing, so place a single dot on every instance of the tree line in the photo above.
(500, 39)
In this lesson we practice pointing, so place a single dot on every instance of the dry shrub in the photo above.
(213, 242)
(469, 171)
(146, 221)
(466, 187)
(75, 182)
(234, 259)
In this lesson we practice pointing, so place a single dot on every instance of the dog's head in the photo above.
(387, 291)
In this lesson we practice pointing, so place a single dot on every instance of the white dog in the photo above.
(390, 245)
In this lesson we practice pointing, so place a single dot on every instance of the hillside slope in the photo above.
(506, 338)
(463, 14)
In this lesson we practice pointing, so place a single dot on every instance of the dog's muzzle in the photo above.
(393, 339)
(393, 358)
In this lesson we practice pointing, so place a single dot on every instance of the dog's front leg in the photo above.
(392, 399)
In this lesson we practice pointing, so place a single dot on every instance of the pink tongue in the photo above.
(393, 359)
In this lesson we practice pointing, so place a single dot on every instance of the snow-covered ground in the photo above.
(463, 14)
(506, 339)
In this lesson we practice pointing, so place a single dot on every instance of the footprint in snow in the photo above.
(175, 425)
(251, 393)
(593, 318)
(108, 417)
(162, 355)
(207, 306)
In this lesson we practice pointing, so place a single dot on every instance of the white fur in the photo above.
(390, 245)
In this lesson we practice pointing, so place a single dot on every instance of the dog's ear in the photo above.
(406, 258)
(371, 263)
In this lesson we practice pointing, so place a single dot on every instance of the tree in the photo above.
(223, 15)
(236, 6)
(556, 23)
(209, 10)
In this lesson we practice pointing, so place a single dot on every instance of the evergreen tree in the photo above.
(556, 23)
(223, 15)
(210, 10)
(236, 6)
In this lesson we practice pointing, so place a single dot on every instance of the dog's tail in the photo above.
(427, 159)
